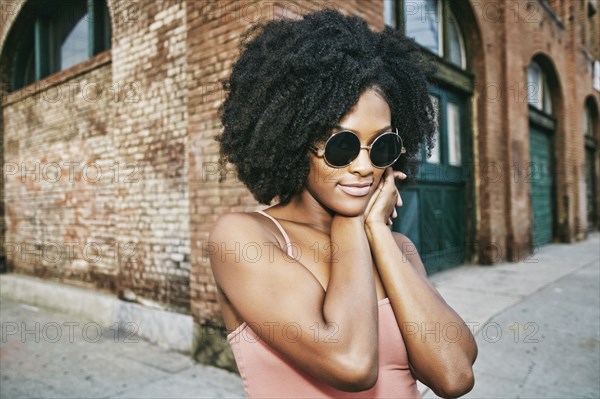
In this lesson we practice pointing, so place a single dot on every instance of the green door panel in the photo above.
(541, 178)
(409, 216)
(433, 211)
(432, 219)
(432, 216)
(590, 167)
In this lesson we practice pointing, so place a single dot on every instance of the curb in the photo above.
(169, 330)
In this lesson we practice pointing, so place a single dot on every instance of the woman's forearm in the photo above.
(440, 345)
(351, 299)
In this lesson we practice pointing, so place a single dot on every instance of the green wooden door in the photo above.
(433, 211)
(590, 179)
(541, 178)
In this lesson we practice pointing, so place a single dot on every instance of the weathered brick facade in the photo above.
(115, 129)
(58, 189)
(511, 34)
(149, 52)
(114, 159)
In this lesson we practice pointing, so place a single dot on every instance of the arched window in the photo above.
(48, 37)
(432, 24)
(538, 91)
(596, 75)
(73, 32)
(590, 123)
(588, 126)
(456, 44)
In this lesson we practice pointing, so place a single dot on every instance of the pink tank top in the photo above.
(266, 374)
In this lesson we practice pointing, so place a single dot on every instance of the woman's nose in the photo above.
(362, 164)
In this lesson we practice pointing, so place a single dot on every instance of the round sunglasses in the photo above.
(343, 147)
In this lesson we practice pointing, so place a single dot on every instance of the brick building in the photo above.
(109, 110)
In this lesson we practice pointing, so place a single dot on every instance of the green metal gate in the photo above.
(433, 213)
(590, 179)
(542, 182)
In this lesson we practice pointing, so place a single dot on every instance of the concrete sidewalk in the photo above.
(49, 354)
(536, 324)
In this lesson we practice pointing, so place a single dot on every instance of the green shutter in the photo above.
(433, 214)
(590, 179)
(541, 168)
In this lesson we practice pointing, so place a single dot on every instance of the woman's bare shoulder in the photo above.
(241, 226)
(230, 236)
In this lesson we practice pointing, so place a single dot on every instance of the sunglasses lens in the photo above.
(342, 149)
(386, 150)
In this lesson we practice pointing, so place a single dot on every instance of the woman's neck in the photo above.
(304, 208)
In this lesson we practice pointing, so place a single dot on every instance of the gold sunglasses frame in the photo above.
(320, 152)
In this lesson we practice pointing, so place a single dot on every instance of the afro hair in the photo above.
(296, 79)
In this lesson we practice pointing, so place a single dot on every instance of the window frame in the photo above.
(545, 103)
(590, 122)
(44, 47)
(445, 12)
(449, 14)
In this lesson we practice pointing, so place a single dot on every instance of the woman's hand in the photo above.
(382, 204)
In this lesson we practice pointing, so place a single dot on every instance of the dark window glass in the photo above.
(432, 24)
(74, 48)
(423, 23)
(49, 36)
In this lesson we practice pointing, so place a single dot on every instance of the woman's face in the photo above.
(346, 191)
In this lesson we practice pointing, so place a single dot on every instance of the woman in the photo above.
(322, 299)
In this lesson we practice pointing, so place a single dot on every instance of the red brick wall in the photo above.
(510, 44)
(59, 189)
(149, 57)
(131, 227)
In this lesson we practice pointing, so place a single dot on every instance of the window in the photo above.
(422, 22)
(453, 112)
(447, 149)
(538, 91)
(74, 46)
(588, 121)
(432, 24)
(596, 75)
(57, 36)
(456, 46)
(592, 8)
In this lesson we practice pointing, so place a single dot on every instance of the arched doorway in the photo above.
(437, 212)
(590, 127)
(542, 166)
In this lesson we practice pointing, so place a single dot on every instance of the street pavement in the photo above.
(536, 322)
(55, 355)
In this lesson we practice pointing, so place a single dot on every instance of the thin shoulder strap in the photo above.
(288, 243)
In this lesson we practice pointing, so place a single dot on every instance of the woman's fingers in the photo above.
(399, 175)
(386, 189)
(389, 175)
(373, 198)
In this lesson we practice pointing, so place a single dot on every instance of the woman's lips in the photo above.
(355, 191)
